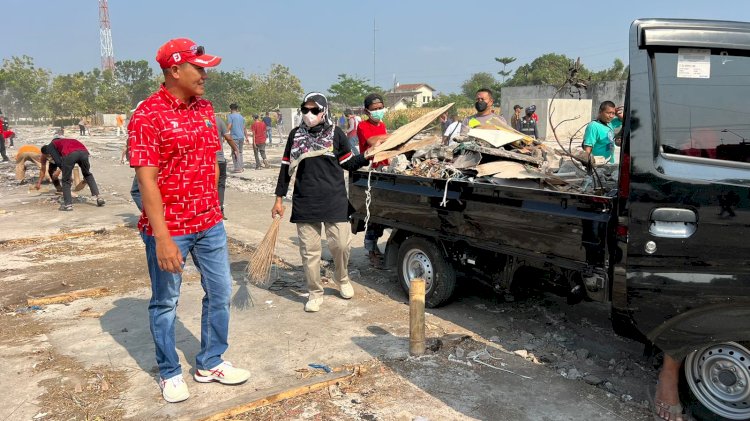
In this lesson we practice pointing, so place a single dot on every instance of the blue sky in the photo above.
(436, 42)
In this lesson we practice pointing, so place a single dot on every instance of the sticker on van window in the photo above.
(694, 63)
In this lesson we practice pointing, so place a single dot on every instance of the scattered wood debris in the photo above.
(68, 297)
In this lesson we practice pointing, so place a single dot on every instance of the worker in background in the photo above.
(515, 120)
(486, 117)
(221, 128)
(28, 153)
(120, 121)
(371, 132)
(65, 154)
(2, 139)
(599, 137)
(528, 123)
(453, 129)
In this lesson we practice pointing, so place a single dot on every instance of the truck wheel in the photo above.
(421, 258)
(718, 377)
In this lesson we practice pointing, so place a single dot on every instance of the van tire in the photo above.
(420, 257)
(704, 398)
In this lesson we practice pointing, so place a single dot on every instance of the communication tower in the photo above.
(105, 37)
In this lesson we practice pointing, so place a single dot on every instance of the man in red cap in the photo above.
(173, 143)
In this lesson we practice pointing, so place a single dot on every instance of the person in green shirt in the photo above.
(599, 138)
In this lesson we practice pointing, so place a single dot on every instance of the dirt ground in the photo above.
(535, 358)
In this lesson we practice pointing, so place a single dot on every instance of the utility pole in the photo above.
(374, 30)
(105, 37)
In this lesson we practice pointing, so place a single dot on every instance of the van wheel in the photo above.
(421, 258)
(718, 377)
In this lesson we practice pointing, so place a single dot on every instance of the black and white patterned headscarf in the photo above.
(308, 141)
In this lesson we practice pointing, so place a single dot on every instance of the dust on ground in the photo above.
(574, 343)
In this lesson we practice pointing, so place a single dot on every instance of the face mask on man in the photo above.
(377, 115)
(480, 106)
(311, 120)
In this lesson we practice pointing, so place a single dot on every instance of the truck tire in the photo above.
(718, 381)
(421, 258)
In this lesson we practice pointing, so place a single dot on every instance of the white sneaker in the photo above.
(223, 373)
(346, 290)
(174, 389)
(313, 305)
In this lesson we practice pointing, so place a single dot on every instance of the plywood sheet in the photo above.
(499, 137)
(407, 131)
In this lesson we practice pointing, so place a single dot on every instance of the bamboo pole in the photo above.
(242, 404)
(416, 317)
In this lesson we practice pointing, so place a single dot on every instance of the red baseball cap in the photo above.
(183, 50)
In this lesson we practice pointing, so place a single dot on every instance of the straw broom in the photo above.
(258, 270)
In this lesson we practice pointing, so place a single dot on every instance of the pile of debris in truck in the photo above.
(496, 155)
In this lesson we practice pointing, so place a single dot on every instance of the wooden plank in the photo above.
(407, 131)
(67, 297)
(502, 153)
(503, 169)
(411, 145)
(499, 137)
(262, 398)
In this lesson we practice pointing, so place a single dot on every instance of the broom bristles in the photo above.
(259, 267)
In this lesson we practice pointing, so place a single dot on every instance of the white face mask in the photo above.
(311, 120)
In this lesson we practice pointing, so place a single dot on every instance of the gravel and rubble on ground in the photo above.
(534, 358)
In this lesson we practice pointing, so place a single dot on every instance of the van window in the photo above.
(704, 105)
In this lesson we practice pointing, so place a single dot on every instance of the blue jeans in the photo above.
(354, 145)
(211, 256)
(135, 194)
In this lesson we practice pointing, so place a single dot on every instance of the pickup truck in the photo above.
(669, 247)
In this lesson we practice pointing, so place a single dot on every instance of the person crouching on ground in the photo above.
(65, 154)
(173, 144)
(317, 151)
(28, 153)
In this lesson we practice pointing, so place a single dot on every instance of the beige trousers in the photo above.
(21, 160)
(310, 248)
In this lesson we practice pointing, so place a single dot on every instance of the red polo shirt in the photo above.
(66, 146)
(366, 130)
(181, 140)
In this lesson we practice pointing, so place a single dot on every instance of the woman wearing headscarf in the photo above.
(318, 152)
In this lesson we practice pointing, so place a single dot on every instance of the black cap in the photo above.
(517, 107)
(373, 99)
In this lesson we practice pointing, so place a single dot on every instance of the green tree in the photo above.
(548, 69)
(618, 71)
(505, 62)
(137, 78)
(23, 87)
(481, 80)
(349, 91)
(111, 95)
(276, 89)
(224, 88)
(67, 96)
(460, 100)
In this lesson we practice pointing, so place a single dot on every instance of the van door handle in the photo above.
(673, 222)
